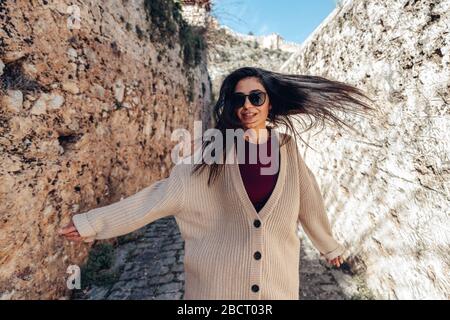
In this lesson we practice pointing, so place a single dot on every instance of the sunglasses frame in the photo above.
(264, 94)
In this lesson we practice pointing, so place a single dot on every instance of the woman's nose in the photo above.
(247, 103)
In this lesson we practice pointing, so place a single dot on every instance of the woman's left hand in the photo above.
(336, 261)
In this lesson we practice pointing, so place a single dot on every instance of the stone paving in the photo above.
(317, 279)
(151, 267)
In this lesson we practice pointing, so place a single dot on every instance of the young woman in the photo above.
(240, 225)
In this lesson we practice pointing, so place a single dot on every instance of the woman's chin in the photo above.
(251, 125)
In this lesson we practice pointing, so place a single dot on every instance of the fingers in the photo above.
(67, 229)
(74, 238)
(338, 261)
(333, 262)
(70, 232)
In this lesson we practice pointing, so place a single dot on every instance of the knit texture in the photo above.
(223, 231)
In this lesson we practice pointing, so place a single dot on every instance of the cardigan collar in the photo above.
(276, 193)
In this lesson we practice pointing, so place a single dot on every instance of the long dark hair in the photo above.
(317, 98)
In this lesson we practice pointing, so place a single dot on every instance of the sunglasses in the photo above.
(256, 98)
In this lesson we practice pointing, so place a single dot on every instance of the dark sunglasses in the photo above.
(256, 98)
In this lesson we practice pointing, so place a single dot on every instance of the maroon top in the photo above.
(259, 186)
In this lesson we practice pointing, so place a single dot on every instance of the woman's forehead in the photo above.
(248, 84)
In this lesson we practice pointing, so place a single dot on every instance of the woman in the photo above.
(239, 225)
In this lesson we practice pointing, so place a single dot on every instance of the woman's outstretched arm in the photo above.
(313, 217)
(162, 198)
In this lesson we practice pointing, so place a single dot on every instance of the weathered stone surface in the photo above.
(119, 90)
(387, 189)
(71, 86)
(13, 100)
(47, 102)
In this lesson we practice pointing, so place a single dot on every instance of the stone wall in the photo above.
(90, 95)
(387, 189)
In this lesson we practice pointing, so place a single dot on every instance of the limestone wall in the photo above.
(387, 189)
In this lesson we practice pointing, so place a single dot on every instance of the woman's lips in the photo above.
(248, 116)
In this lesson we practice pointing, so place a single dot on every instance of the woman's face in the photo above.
(252, 116)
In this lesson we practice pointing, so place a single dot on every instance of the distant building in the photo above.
(196, 12)
(206, 4)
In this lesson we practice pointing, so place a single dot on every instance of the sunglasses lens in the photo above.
(237, 100)
(257, 98)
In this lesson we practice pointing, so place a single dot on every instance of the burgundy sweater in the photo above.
(259, 187)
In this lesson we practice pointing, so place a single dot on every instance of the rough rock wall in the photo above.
(387, 190)
(90, 95)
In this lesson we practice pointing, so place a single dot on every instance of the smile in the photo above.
(249, 117)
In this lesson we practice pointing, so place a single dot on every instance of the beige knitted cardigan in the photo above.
(222, 230)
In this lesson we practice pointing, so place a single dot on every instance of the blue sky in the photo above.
(294, 20)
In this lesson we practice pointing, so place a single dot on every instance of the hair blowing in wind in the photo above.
(309, 100)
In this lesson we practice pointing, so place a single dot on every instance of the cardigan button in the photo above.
(257, 223)
(257, 255)
(255, 288)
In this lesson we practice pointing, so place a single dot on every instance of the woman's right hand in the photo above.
(70, 232)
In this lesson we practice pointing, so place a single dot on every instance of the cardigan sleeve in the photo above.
(313, 217)
(160, 199)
